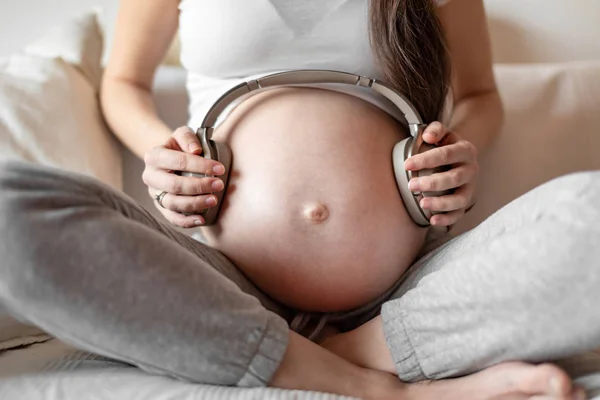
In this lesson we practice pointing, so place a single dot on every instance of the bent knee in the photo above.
(12, 171)
(25, 176)
(583, 185)
(575, 196)
(13, 177)
(578, 182)
(25, 187)
(22, 175)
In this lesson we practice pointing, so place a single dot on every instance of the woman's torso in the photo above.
(312, 214)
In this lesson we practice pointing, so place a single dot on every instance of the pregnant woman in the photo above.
(312, 230)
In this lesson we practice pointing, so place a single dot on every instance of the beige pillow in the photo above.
(49, 114)
(49, 111)
(552, 128)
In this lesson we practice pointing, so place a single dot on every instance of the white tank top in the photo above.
(226, 42)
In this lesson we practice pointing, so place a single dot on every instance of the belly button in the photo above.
(315, 213)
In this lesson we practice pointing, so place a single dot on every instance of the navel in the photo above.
(315, 213)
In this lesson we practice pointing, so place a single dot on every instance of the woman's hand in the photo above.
(184, 194)
(451, 150)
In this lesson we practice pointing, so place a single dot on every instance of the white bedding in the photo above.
(55, 371)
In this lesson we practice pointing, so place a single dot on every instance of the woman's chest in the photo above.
(232, 38)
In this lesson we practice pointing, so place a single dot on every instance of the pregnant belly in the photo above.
(312, 214)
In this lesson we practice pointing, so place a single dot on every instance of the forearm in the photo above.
(478, 119)
(131, 114)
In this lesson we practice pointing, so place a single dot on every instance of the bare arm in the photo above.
(478, 112)
(476, 118)
(143, 34)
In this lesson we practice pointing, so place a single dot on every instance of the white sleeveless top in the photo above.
(226, 42)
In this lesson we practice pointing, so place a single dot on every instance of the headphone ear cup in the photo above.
(403, 150)
(222, 153)
(400, 153)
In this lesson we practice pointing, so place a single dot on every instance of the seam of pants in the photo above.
(397, 336)
(269, 353)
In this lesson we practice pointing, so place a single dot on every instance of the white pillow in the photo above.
(49, 114)
(552, 128)
(49, 111)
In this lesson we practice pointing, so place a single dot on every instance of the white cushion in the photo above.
(49, 114)
(552, 128)
(49, 111)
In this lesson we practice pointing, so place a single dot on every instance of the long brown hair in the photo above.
(409, 45)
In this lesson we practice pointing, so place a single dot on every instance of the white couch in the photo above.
(548, 71)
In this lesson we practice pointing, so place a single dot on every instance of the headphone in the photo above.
(404, 149)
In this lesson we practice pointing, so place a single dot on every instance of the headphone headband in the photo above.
(307, 77)
(402, 150)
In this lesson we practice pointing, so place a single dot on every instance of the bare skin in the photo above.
(305, 363)
(323, 231)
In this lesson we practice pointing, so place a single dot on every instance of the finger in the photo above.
(459, 200)
(459, 152)
(446, 219)
(188, 204)
(434, 132)
(175, 218)
(187, 140)
(450, 179)
(173, 160)
(175, 184)
(183, 221)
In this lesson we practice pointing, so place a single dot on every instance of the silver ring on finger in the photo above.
(159, 197)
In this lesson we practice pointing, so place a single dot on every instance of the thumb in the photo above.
(434, 132)
(187, 140)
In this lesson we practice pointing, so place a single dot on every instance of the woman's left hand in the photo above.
(451, 150)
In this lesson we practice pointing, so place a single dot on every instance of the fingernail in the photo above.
(217, 185)
(409, 164)
(414, 184)
(210, 201)
(218, 169)
(198, 222)
(194, 147)
(432, 134)
(423, 203)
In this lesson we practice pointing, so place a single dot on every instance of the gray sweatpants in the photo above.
(93, 268)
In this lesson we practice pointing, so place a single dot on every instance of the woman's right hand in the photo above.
(186, 196)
